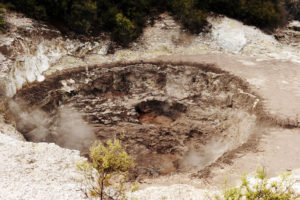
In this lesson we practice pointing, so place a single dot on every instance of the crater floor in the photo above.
(165, 114)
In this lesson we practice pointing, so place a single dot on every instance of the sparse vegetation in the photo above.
(293, 7)
(261, 188)
(108, 167)
(262, 13)
(125, 19)
(2, 22)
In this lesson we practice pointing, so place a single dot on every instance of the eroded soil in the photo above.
(170, 116)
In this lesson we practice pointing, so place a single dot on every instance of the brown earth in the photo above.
(156, 133)
(276, 146)
(164, 113)
(276, 81)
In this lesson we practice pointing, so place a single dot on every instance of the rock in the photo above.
(47, 172)
(172, 192)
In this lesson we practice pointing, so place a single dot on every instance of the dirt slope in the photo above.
(276, 81)
(277, 148)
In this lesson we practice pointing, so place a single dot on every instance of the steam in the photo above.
(241, 127)
(209, 153)
(66, 127)
(72, 131)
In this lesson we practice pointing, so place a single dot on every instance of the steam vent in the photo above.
(149, 100)
(164, 113)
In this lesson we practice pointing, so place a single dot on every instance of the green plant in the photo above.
(125, 19)
(262, 13)
(2, 22)
(293, 7)
(125, 30)
(83, 14)
(108, 163)
(261, 188)
(192, 17)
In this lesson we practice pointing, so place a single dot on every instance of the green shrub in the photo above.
(125, 31)
(2, 22)
(125, 19)
(82, 16)
(194, 20)
(262, 13)
(31, 7)
(187, 13)
(57, 9)
(293, 8)
(262, 188)
(107, 162)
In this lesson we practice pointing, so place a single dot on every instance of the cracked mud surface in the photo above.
(165, 114)
(275, 81)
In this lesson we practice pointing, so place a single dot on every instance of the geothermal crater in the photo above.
(170, 116)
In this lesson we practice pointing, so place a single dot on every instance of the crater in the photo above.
(159, 112)
(170, 116)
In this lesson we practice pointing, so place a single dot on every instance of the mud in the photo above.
(171, 117)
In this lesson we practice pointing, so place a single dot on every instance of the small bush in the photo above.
(125, 19)
(107, 162)
(262, 13)
(125, 31)
(191, 17)
(293, 7)
(83, 15)
(2, 22)
(31, 7)
(194, 20)
(261, 188)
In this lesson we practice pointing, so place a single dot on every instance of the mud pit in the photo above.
(170, 116)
